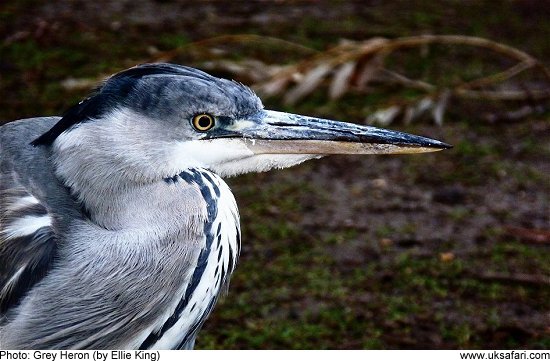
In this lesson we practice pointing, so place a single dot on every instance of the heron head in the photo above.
(155, 120)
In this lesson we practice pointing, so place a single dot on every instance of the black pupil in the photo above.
(204, 121)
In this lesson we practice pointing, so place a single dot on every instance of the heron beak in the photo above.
(272, 132)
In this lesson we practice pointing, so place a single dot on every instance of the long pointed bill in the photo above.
(274, 132)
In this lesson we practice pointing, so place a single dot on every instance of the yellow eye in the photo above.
(203, 122)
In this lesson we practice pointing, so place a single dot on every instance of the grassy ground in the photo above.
(427, 251)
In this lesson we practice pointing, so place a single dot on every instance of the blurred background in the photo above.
(442, 250)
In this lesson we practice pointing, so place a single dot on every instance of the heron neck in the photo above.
(117, 201)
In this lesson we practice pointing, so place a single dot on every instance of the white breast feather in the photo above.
(208, 287)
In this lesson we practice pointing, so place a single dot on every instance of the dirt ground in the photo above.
(444, 250)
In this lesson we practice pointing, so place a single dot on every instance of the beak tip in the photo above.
(430, 145)
(427, 143)
(443, 145)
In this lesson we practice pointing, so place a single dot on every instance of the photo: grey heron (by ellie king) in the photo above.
(117, 230)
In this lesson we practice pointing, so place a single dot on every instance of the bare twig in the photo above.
(502, 94)
(506, 50)
(409, 83)
(499, 77)
(225, 40)
(354, 65)
(352, 53)
(521, 278)
(528, 235)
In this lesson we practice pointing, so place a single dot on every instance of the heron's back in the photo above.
(33, 203)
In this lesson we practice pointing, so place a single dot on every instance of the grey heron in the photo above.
(117, 230)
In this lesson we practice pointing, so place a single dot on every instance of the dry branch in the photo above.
(342, 63)
(354, 66)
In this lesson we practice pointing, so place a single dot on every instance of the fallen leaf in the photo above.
(341, 80)
(308, 83)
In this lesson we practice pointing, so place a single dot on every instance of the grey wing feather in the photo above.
(26, 257)
(27, 225)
